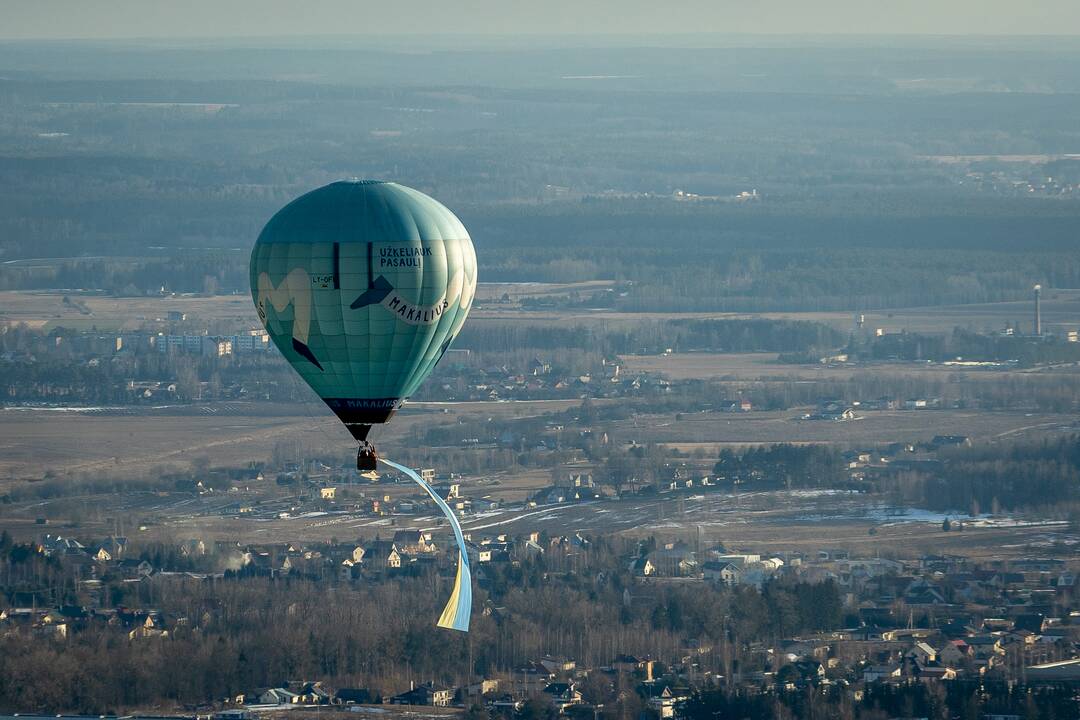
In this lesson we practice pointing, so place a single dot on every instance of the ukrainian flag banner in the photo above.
(458, 610)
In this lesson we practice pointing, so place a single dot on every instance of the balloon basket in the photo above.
(367, 460)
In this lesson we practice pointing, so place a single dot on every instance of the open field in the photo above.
(707, 430)
(1060, 308)
(86, 310)
(775, 521)
(517, 291)
(130, 442)
(765, 366)
(126, 442)
(765, 521)
(48, 309)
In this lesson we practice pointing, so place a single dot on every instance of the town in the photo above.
(831, 623)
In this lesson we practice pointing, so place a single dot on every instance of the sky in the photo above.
(101, 19)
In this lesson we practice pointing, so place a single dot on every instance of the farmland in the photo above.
(1060, 307)
(55, 459)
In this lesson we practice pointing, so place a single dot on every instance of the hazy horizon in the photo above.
(129, 19)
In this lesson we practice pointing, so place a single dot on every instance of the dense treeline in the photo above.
(971, 346)
(63, 374)
(693, 267)
(64, 377)
(990, 478)
(986, 390)
(194, 272)
(1002, 477)
(998, 476)
(724, 258)
(783, 466)
(650, 337)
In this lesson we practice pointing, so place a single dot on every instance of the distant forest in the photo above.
(987, 478)
(651, 336)
(670, 256)
(805, 186)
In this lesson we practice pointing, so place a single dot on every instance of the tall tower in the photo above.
(1038, 310)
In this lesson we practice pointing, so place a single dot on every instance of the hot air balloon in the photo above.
(363, 286)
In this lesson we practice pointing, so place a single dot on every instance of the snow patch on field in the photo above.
(892, 515)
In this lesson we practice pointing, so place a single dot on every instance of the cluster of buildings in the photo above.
(937, 618)
(57, 622)
(556, 680)
(1018, 178)
(716, 565)
(212, 345)
(934, 619)
(406, 550)
(837, 410)
(97, 345)
(539, 380)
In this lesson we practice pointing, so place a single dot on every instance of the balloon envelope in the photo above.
(363, 285)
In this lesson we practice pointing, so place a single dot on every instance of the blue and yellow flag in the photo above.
(458, 610)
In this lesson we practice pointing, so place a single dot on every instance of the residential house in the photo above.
(57, 545)
(662, 699)
(558, 665)
(115, 546)
(563, 694)
(135, 569)
(148, 628)
(360, 696)
(534, 674)
(312, 693)
(877, 673)
(725, 572)
(629, 664)
(954, 652)
(986, 646)
(414, 542)
(481, 688)
(934, 673)
(736, 406)
(922, 654)
(426, 694)
(279, 696)
(674, 560)
(809, 669)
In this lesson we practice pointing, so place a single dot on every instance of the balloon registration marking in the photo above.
(458, 610)
(383, 293)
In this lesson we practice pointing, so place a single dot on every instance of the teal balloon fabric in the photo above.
(363, 286)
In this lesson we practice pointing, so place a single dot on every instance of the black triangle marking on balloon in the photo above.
(374, 294)
(305, 351)
(444, 348)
